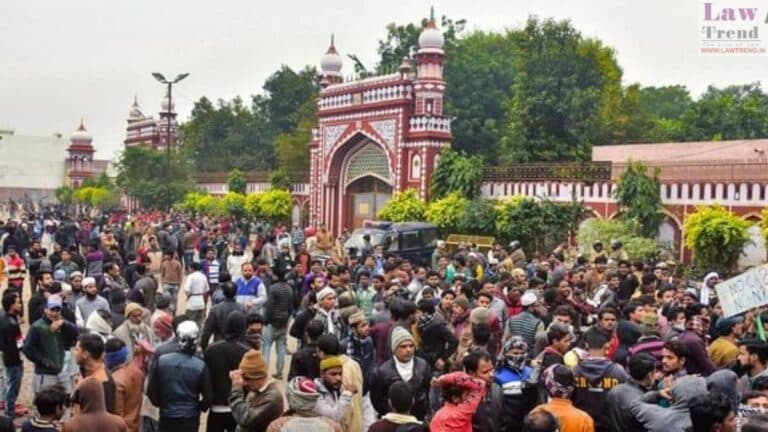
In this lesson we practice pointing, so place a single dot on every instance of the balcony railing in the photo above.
(430, 124)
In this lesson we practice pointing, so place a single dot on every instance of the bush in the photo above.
(233, 203)
(479, 218)
(448, 212)
(403, 207)
(717, 238)
(253, 205)
(275, 205)
(637, 248)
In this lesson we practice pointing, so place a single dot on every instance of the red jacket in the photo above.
(458, 417)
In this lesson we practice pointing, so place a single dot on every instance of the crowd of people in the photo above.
(158, 322)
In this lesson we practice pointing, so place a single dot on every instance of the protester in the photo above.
(302, 398)
(129, 383)
(93, 415)
(264, 401)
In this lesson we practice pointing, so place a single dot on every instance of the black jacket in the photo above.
(216, 323)
(420, 382)
(299, 325)
(224, 356)
(437, 341)
(10, 334)
(305, 362)
(279, 305)
(488, 416)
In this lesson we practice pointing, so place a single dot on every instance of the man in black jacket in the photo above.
(488, 416)
(402, 366)
(438, 342)
(10, 340)
(222, 357)
(305, 361)
(216, 323)
(642, 368)
(278, 312)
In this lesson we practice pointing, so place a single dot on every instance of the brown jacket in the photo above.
(93, 414)
(129, 382)
(324, 240)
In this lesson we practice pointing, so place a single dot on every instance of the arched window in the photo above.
(416, 167)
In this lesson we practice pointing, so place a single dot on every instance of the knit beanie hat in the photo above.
(356, 318)
(330, 362)
(252, 365)
(325, 292)
(400, 335)
(163, 326)
(462, 302)
(302, 394)
(132, 307)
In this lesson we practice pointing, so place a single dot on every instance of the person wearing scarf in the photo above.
(560, 384)
(302, 397)
(512, 375)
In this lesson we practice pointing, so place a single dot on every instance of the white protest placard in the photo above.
(744, 292)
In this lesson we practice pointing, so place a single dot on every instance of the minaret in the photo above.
(429, 84)
(79, 156)
(134, 112)
(330, 66)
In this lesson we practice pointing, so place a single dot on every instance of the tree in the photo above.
(292, 148)
(561, 86)
(480, 72)
(457, 172)
(447, 212)
(143, 173)
(236, 181)
(404, 206)
(479, 217)
(279, 179)
(764, 225)
(735, 112)
(717, 238)
(228, 135)
(639, 197)
(286, 91)
(403, 40)
(233, 204)
(253, 205)
(65, 195)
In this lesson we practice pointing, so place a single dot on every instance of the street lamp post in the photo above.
(160, 78)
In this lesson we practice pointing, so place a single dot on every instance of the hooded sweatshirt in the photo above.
(93, 413)
(677, 417)
(224, 356)
(595, 377)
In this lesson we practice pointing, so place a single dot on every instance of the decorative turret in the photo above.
(80, 156)
(134, 112)
(429, 85)
(330, 66)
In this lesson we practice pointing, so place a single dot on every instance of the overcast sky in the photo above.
(62, 60)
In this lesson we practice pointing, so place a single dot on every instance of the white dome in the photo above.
(134, 112)
(431, 38)
(81, 134)
(330, 63)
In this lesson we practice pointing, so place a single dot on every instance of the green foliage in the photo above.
(233, 203)
(286, 92)
(101, 198)
(143, 174)
(279, 179)
(539, 226)
(562, 84)
(764, 224)
(102, 181)
(480, 71)
(228, 135)
(236, 181)
(190, 202)
(275, 205)
(717, 238)
(292, 148)
(65, 195)
(404, 206)
(735, 112)
(479, 218)
(457, 172)
(637, 248)
(253, 205)
(447, 212)
(639, 198)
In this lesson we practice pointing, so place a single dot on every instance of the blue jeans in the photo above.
(13, 377)
(172, 290)
(189, 257)
(279, 337)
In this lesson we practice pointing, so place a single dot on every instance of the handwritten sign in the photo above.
(744, 292)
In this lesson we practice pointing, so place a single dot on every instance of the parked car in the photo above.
(415, 241)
